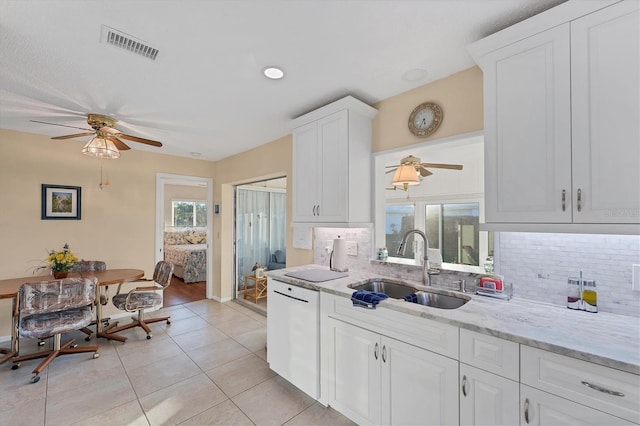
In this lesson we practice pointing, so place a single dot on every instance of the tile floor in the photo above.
(208, 367)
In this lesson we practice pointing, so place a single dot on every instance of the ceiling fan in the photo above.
(421, 167)
(106, 137)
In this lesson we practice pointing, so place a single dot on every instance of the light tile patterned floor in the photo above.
(208, 367)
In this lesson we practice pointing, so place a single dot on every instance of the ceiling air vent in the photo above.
(127, 42)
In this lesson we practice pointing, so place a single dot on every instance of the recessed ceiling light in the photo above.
(273, 73)
(415, 74)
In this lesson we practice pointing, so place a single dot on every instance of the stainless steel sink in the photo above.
(390, 288)
(439, 300)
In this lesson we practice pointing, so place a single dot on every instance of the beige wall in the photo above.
(459, 96)
(267, 161)
(117, 224)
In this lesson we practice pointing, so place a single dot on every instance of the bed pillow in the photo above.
(196, 238)
(174, 238)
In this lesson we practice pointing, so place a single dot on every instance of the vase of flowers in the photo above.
(60, 262)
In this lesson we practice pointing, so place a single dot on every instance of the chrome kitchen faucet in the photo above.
(426, 278)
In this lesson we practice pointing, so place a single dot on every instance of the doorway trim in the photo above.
(166, 178)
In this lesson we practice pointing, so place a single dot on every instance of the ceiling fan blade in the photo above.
(424, 172)
(118, 143)
(442, 166)
(141, 140)
(392, 170)
(63, 125)
(77, 135)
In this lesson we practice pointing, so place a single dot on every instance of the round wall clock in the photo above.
(425, 119)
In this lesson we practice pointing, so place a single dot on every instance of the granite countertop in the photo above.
(602, 338)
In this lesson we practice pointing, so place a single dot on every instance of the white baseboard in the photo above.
(220, 299)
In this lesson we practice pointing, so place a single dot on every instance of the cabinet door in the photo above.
(528, 130)
(333, 157)
(542, 408)
(418, 387)
(354, 372)
(306, 166)
(487, 399)
(605, 70)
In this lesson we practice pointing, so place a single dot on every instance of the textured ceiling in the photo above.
(205, 92)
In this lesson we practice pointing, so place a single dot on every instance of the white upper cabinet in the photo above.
(562, 134)
(605, 87)
(332, 164)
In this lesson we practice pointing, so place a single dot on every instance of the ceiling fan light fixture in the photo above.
(101, 148)
(405, 176)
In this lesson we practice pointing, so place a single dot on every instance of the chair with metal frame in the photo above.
(50, 308)
(141, 298)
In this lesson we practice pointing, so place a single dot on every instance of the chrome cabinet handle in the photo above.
(526, 410)
(318, 209)
(579, 199)
(564, 200)
(384, 354)
(314, 210)
(464, 385)
(375, 351)
(601, 389)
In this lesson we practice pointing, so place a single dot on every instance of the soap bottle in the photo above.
(488, 265)
(385, 253)
(589, 296)
(573, 293)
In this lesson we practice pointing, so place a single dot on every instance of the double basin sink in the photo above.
(423, 296)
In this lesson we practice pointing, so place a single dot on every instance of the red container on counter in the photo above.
(490, 283)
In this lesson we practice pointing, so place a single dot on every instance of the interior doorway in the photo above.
(183, 235)
(259, 237)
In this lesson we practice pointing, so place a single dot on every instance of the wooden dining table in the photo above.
(9, 290)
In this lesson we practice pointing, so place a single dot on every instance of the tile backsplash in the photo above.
(537, 264)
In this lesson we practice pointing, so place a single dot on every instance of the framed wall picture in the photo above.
(61, 202)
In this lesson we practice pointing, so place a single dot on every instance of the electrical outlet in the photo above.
(329, 246)
(635, 280)
(352, 248)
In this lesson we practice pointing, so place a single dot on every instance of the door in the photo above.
(334, 152)
(418, 387)
(605, 54)
(354, 372)
(487, 399)
(528, 130)
(307, 162)
(542, 408)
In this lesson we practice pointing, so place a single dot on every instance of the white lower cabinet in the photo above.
(374, 379)
(487, 399)
(542, 408)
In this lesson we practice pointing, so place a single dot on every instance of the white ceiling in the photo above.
(205, 92)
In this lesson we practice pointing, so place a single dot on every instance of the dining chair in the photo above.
(90, 266)
(50, 308)
(141, 298)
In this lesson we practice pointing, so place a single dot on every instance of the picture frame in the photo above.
(216, 209)
(61, 202)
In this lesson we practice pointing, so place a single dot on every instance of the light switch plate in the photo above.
(635, 277)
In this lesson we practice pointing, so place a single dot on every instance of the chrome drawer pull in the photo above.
(579, 199)
(526, 410)
(375, 352)
(384, 353)
(601, 389)
(564, 200)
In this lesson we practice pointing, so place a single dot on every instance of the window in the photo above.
(452, 228)
(400, 218)
(189, 213)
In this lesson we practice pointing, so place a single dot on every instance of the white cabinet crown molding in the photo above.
(348, 102)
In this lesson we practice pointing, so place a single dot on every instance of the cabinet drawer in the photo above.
(490, 353)
(612, 391)
(424, 333)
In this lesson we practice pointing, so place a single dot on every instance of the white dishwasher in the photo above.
(293, 335)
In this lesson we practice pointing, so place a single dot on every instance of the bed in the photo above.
(188, 253)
